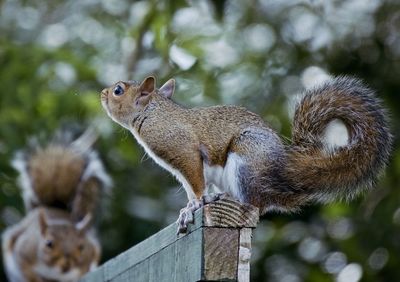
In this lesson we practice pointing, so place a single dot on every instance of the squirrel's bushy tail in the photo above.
(66, 174)
(326, 173)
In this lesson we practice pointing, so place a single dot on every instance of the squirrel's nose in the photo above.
(104, 91)
(65, 263)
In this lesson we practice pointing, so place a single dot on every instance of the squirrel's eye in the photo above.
(118, 90)
(49, 244)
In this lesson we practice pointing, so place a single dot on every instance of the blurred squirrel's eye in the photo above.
(81, 247)
(118, 90)
(49, 244)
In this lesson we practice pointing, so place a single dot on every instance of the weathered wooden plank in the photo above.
(124, 277)
(140, 252)
(220, 248)
(138, 273)
(188, 257)
(210, 250)
(229, 213)
(94, 276)
(244, 255)
(163, 265)
(136, 254)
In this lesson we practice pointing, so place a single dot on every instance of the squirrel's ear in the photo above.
(84, 224)
(168, 88)
(148, 85)
(42, 222)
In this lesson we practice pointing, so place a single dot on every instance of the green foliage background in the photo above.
(56, 56)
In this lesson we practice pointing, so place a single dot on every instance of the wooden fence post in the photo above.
(216, 247)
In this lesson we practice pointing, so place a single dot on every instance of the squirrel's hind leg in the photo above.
(261, 155)
(193, 183)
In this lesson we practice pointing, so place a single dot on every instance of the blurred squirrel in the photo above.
(48, 246)
(61, 184)
(65, 174)
(235, 150)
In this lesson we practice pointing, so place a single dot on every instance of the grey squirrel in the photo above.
(61, 185)
(235, 150)
(48, 246)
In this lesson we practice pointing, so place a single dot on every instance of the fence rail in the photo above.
(216, 247)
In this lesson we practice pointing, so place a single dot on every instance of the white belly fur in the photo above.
(163, 164)
(225, 178)
(12, 268)
(55, 273)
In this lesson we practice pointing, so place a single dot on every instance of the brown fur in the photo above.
(61, 183)
(340, 170)
(55, 173)
(28, 242)
(64, 174)
(272, 176)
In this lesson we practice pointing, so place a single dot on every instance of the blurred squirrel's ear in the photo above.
(84, 224)
(168, 88)
(148, 85)
(42, 222)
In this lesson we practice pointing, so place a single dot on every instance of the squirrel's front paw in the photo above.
(186, 214)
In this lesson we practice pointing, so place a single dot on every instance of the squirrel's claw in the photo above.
(186, 214)
(210, 198)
